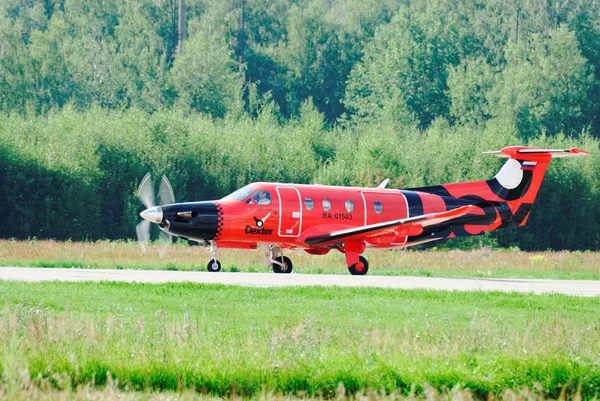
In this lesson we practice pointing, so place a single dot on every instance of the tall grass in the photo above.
(42, 389)
(483, 262)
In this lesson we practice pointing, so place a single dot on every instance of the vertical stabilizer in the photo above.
(521, 176)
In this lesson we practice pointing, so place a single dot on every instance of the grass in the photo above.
(477, 263)
(42, 390)
(223, 341)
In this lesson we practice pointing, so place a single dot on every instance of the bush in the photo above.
(74, 174)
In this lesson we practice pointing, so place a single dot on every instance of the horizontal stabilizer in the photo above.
(519, 152)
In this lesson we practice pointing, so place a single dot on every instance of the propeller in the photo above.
(146, 195)
(146, 192)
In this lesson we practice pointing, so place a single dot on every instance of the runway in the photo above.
(587, 288)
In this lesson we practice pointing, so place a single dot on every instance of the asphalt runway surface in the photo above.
(587, 288)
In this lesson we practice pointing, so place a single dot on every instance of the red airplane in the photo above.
(319, 218)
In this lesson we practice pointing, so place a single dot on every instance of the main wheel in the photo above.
(213, 265)
(287, 265)
(357, 270)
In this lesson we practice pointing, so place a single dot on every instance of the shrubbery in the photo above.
(74, 174)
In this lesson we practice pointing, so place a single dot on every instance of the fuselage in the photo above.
(288, 214)
(319, 218)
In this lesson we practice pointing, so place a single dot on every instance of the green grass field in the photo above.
(476, 263)
(226, 341)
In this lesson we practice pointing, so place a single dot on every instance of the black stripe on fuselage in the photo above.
(516, 219)
(415, 204)
(435, 190)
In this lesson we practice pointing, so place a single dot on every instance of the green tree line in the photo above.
(534, 63)
(74, 175)
(95, 93)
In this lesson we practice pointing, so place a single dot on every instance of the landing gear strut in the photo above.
(213, 264)
(279, 264)
(358, 265)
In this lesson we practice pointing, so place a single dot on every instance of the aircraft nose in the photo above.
(198, 221)
(154, 214)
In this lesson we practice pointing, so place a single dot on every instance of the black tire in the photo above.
(355, 272)
(286, 269)
(213, 266)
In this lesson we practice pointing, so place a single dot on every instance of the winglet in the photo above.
(383, 184)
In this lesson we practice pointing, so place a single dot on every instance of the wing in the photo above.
(392, 226)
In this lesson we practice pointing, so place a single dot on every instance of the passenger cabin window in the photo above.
(309, 204)
(349, 206)
(378, 207)
(262, 197)
(326, 204)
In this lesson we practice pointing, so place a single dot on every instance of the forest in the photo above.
(95, 93)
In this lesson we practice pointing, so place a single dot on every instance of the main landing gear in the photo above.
(359, 268)
(358, 265)
(213, 264)
(279, 264)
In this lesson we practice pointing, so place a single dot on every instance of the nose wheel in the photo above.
(282, 264)
(278, 262)
(213, 264)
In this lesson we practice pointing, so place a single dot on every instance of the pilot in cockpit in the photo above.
(262, 197)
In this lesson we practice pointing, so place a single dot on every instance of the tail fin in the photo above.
(521, 176)
(513, 190)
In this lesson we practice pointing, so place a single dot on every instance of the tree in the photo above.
(469, 84)
(142, 54)
(318, 57)
(204, 75)
(15, 66)
(52, 84)
(411, 54)
(544, 86)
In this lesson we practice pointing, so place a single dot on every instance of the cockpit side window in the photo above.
(262, 197)
(241, 194)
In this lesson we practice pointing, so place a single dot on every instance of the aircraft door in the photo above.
(381, 207)
(290, 212)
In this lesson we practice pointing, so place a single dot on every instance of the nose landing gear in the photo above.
(282, 264)
(279, 264)
(213, 264)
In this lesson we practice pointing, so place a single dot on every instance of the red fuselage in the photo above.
(296, 212)
(319, 218)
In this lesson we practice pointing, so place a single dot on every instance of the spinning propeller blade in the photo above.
(146, 192)
(143, 234)
(165, 240)
(165, 192)
(146, 195)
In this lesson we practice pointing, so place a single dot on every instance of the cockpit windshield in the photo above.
(241, 194)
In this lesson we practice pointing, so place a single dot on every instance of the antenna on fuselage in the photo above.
(383, 184)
